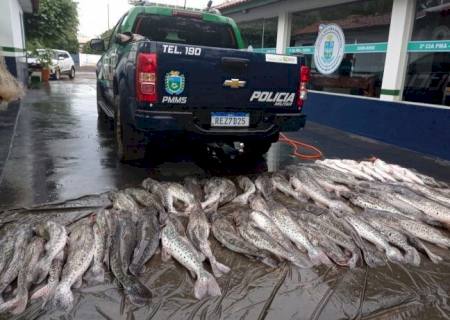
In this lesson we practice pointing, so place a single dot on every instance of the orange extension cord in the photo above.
(297, 145)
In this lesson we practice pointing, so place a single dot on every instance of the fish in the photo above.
(265, 186)
(369, 233)
(396, 238)
(47, 291)
(56, 237)
(224, 231)
(177, 192)
(198, 230)
(425, 232)
(174, 245)
(145, 198)
(366, 201)
(249, 188)
(97, 270)
(11, 269)
(323, 225)
(25, 277)
(111, 217)
(126, 203)
(289, 227)
(304, 183)
(194, 186)
(430, 194)
(79, 258)
(6, 249)
(218, 191)
(263, 222)
(124, 241)
(262, 241)
(420, 245)
(432, 209)
(148, 234)
(346, 167)
(280, 183)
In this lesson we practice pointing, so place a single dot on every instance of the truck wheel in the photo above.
(72, 73)
(101, 114)
(130, 143)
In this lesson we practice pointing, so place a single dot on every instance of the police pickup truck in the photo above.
(170, 70)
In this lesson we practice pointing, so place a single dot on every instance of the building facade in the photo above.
(395, 50)
(12, 35)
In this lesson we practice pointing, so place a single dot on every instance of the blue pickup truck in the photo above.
(169, 70)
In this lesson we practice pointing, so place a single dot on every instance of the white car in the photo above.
(62, 63)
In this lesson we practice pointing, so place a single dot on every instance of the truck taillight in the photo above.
(146, 77)
(305, 75)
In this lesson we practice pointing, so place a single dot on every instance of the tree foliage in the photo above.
(54, 25)
(106, 36)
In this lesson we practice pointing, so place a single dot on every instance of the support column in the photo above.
(284, 31)
(402, 22)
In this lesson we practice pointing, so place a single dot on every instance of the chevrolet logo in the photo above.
(234, 83)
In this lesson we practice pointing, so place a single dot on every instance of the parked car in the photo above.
(62, 63)
(183, 71)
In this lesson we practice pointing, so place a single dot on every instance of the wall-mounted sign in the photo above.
(329, 48)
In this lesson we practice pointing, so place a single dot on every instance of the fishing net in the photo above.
(10, 88)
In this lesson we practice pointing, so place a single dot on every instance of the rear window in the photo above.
(185, 30)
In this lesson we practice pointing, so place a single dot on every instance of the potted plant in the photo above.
(44, 58)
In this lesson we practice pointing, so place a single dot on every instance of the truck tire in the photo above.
(130, 143)
(100, 113)
(72, 73)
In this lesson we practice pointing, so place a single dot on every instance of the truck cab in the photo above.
(170, 70)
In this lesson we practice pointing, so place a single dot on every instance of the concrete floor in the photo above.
(60, 151)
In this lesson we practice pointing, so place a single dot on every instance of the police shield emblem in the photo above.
(174, 82)
(328, 48)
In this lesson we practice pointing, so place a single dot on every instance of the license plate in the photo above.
(230, 119)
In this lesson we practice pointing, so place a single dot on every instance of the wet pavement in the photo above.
(61, 152)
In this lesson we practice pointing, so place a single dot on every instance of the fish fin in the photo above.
(41, 292)
(268, 261)
(320, 257)
(165, 255)
(219, 269)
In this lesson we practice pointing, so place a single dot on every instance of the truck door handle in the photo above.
(234, 64)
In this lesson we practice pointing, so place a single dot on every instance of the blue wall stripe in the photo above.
(419, 128)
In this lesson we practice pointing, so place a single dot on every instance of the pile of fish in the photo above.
(330, 212)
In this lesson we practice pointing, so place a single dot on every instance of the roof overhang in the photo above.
(29, 6)
(242, 5)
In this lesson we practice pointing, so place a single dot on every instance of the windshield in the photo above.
(185, 30)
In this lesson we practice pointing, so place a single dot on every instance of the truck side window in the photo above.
(185, 30)
(114, 32)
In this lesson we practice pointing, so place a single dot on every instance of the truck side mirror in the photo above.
(97, 45)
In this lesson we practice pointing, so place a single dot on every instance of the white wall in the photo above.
(11, 34)
(89, 59)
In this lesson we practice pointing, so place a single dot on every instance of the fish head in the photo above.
(394, 255)
(257, 203)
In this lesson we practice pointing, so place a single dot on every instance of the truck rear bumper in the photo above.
(159, 121)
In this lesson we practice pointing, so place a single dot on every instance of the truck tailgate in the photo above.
(221, 79)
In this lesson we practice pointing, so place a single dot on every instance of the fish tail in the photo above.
(20, 305)
(206, 285)
(413, 257)
(97, 274)
(42, 269)
(8, 305)
(218, 268)
(138, 293)
(63, 298)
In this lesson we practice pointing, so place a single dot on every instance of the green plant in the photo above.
(43, 57)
